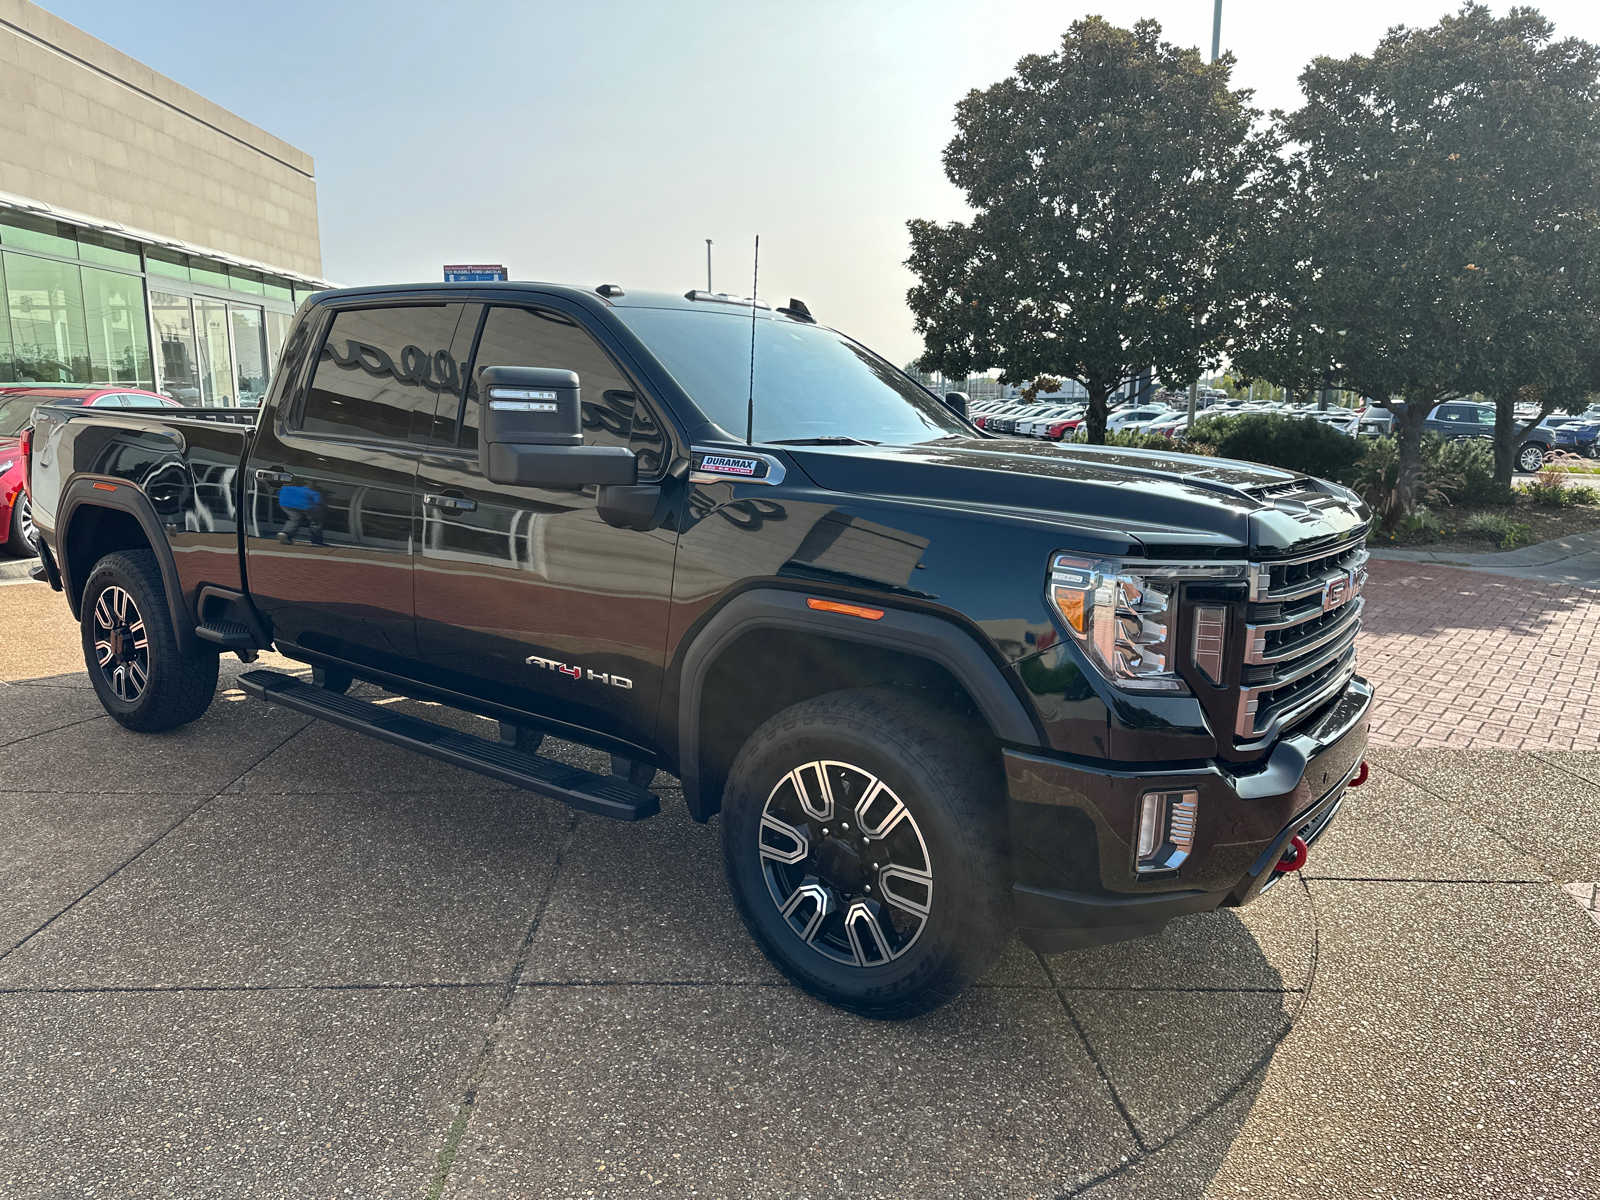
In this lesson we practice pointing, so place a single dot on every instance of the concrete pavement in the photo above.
(1573, 560)
(264, 957)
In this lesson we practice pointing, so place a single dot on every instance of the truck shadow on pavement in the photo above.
(269, 951)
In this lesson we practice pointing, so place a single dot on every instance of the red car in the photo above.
(16, 405)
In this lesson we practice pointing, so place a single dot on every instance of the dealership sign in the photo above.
(475, 273)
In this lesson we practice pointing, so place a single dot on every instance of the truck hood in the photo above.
(1158, 501)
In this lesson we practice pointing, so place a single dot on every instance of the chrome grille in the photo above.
(1300, 632)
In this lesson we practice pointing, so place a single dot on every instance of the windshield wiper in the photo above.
(833, 440)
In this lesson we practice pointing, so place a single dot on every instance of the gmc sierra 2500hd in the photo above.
(940, 685)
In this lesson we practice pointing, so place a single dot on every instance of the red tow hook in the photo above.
(1294, 855)
(1361, 776)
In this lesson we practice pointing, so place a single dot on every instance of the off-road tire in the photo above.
(950, 783)
(178, 686)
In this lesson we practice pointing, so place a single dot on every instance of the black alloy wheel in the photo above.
(846, 863)
(121, 644)
(864, 839)
(1530, 458)
(143, 678)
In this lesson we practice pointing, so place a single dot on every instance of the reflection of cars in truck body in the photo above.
(1070, 690)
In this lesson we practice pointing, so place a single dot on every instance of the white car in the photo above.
(1130, 418)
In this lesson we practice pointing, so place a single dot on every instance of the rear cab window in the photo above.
(381, 374)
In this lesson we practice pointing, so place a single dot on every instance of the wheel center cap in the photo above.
(839, 864)
(118, 643)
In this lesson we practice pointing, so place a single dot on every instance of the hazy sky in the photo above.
(603, 142)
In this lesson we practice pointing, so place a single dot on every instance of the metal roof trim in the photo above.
(72, 217)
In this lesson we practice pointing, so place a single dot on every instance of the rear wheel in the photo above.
(1530, 458)
(142, 678)
(864, 840)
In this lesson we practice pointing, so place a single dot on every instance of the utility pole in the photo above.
(708, 248)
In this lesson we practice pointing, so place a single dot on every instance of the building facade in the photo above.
(147, 236)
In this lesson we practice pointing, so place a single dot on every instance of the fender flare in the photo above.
(917, 634)
(125, 497)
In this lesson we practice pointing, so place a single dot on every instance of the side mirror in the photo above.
(531, 433)
(958, 401)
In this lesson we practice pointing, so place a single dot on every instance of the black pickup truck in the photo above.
(940, 685)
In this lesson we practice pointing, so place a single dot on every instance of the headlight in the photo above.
(1123, 612)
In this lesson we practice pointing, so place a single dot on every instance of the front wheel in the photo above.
(864, 840)
(23, 538)
(144, 681)
(1530, 458)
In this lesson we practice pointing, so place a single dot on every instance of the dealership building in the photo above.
(147, 236)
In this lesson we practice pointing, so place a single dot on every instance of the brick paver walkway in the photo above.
(1464, 660)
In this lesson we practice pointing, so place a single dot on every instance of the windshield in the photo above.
(810, 383)
(14, 413)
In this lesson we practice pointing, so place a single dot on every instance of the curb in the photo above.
(15, 569)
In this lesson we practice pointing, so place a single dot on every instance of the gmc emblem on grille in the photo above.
(1337, 592)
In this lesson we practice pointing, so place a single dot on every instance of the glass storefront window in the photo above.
(8, 369)
(277, 331)
(49, 341)
(216, 363)
(250, 354)
(241, 280)
(180, 369)
(108, 249)
(27, 232)
(158, 260)
(278, 289)
(206, 270)
(119, 338)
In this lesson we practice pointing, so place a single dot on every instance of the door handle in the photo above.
(450, 503)
(266, 475)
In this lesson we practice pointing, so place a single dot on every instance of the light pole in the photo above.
(708, 247)
(1216, 48)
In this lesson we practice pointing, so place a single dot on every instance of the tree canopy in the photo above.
(1434, 230)
(1105, 181)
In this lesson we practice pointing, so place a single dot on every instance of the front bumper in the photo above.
(1073, 831)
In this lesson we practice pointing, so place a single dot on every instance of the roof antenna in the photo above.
(750, 407)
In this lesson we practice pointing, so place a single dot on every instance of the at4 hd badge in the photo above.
(579, 673)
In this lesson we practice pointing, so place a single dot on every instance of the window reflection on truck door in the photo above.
(333, 506)
(534, 572)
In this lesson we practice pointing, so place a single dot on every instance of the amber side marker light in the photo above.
(849, 610)
(105, 487)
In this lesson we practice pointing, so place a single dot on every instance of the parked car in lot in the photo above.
(17, 533)
(1581, 436)
(1038, 424)
(1128, 418)
(939, 685)
(1465, 419)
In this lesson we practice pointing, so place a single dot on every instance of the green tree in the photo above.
(1433, 233)
(1104, 180)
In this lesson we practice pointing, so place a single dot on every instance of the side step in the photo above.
(230, 635)
(603, 795)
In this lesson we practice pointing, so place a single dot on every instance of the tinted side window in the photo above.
(613, 414)
(381, 373)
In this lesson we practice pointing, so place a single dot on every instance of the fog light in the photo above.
(1166, 829)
